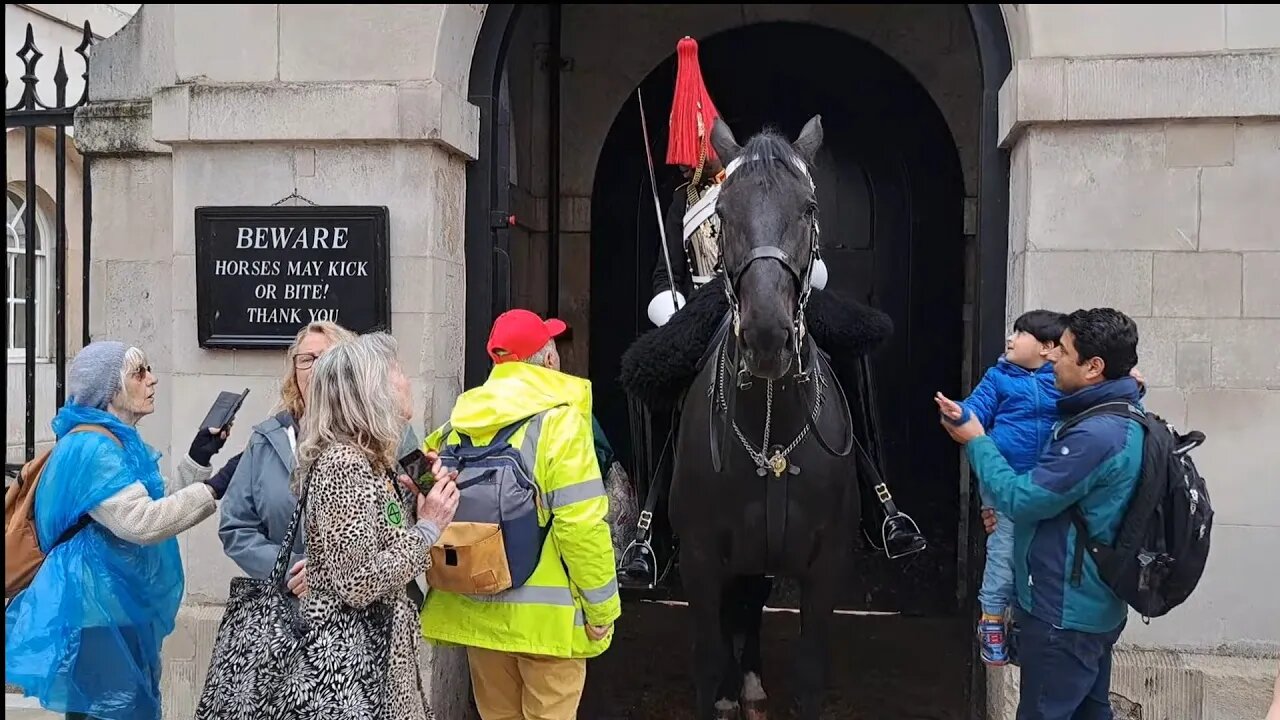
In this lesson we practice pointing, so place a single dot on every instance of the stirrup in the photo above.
(913, 529)
(626, 580)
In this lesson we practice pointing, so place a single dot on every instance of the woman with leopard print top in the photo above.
(362, 545)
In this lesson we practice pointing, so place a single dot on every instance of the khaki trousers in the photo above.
(509, 686)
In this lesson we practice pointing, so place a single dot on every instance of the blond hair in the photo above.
(290, 396)
(350, 401)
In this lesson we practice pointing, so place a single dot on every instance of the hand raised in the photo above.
(949, 408)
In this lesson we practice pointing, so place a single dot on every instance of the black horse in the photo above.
(764, 481)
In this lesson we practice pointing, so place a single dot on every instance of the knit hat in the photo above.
(94, 376)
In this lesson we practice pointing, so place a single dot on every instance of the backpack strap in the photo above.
(1114, 407)
(85, 520)
(528, 447)
(503, 436)
(1084, 542)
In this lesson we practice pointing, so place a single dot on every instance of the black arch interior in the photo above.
(891, 195)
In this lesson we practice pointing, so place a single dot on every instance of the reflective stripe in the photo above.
(601, 594)
(529, 452)
(530, 595)
(577, 492)
(529, 445)
(578, 619)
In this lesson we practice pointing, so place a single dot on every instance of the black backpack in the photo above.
(1162, 546)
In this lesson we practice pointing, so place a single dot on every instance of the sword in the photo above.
(657, 205)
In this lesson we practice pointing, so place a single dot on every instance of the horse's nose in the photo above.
(764, 339)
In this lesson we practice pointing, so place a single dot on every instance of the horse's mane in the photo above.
(769, 159)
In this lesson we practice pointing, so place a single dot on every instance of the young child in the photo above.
(1017, 405)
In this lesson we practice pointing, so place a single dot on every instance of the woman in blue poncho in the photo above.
(84, 638)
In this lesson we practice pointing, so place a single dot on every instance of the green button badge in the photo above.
(395, 515)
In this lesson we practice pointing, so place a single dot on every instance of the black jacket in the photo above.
(675, 247)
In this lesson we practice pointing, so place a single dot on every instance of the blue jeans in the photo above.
(1066, 674)
(996, 592)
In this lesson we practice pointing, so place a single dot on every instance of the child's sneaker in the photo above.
(991, 636)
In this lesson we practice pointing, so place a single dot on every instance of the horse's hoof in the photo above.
(726, 710)
(755, 710)
(754, 701)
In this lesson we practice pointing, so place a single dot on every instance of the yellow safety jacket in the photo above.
(575, 582)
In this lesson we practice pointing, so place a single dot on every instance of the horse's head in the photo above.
(769, 220)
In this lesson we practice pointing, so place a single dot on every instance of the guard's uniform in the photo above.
(693, 234)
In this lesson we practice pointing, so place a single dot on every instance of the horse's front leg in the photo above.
(703, 587)
(755, 593)
(816, 607)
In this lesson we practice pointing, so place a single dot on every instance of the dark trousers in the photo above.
(1066, 674)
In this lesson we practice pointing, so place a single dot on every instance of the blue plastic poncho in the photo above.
(85, 636)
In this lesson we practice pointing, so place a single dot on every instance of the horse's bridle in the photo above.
(803, 278)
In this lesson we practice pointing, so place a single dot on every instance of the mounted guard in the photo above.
(689, 304)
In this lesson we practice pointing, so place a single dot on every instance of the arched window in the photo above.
(15, 245)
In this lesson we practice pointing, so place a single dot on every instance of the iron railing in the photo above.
(31, 113)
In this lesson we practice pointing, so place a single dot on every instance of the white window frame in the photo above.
(42, 334)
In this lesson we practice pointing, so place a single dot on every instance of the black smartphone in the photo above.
(224, 409)
(418, 468)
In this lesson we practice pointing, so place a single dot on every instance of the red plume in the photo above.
(691, 102)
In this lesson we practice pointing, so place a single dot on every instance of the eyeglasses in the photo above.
(141, 372)
(304, 361)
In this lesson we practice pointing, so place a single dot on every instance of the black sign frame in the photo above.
(379, 274)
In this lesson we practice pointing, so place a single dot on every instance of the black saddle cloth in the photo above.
(661, 363)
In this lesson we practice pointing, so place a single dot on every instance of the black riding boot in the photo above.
(639, 568)
(899, 533)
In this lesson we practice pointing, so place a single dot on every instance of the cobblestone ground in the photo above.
(883, 668)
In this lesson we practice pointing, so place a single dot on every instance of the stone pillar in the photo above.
(247, 105)
(1148, 184)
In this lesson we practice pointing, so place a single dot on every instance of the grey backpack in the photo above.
(494, 541)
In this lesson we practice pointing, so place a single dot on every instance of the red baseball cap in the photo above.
(518, 334)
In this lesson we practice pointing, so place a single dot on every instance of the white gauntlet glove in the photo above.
(661, 307)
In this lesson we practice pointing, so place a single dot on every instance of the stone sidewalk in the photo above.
(17, 707)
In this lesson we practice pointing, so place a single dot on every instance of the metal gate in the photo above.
(24, 322)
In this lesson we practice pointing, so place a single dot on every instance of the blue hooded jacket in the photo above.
(85, 636)
(1017, 408)
(1095, 464)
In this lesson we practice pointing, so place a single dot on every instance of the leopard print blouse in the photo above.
(359, 551)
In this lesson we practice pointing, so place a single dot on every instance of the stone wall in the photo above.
(1148, 185)
(179, 122)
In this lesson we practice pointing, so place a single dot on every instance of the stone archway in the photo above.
(985, 179)
(995, 29)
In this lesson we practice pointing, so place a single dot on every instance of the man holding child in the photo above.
(1066, 630)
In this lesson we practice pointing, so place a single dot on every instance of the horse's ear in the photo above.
(810, 139)
(726, 146)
